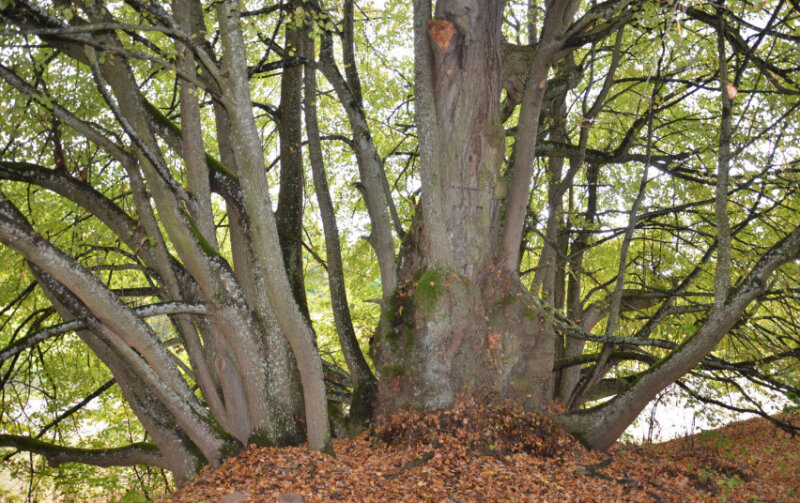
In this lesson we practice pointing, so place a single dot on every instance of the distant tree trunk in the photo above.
(364, 381)
(289, 214)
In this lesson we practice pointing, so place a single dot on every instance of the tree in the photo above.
(590, 177)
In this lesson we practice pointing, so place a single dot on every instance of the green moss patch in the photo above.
(429, 289)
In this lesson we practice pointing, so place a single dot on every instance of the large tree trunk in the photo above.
(461, 321)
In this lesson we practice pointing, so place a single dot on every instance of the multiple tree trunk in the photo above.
(456, 317)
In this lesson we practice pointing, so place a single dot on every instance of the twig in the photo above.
(411, 464)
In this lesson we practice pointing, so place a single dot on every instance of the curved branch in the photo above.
(85, 196)
(600, 426)
(183, 416)
(223, 180)
(122, 329)
(740, 46)
(370, 169)
(605, 11)
(546, 148)
(143, 312)
(140, 453)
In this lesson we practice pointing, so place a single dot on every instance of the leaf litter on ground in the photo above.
(475, 453)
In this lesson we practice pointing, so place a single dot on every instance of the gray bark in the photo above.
(192, 136)
(557, 18)
(119, 328)
(249, 157)
(232, 333)
(284, 388)
(180, 455)
(370, 169)
(239, 356)
(466, 326)
(364, 382)
(35, 338)
(135, 454)
(722, 277)
(436, 243)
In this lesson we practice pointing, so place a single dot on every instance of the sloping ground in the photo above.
(503, 455)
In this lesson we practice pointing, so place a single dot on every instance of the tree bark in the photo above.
(289, 214)
(180, 454)
(135, 454)
(369, 167)
(249, 158)
(458, 323)
(364, 381)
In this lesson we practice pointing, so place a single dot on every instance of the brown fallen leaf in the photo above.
(447, 456)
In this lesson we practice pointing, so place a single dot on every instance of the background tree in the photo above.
(593, 201)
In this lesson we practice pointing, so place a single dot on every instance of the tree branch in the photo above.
(143, 312)
(600, 426)
(140, 453)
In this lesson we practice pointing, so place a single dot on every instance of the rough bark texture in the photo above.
(459, 322)
(450, 335)
(467, 68)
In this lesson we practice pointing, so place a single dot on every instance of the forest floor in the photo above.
(472, 454)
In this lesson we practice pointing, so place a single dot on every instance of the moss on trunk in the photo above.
(448, 335)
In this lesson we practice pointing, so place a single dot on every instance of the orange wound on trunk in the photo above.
(441, 31)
